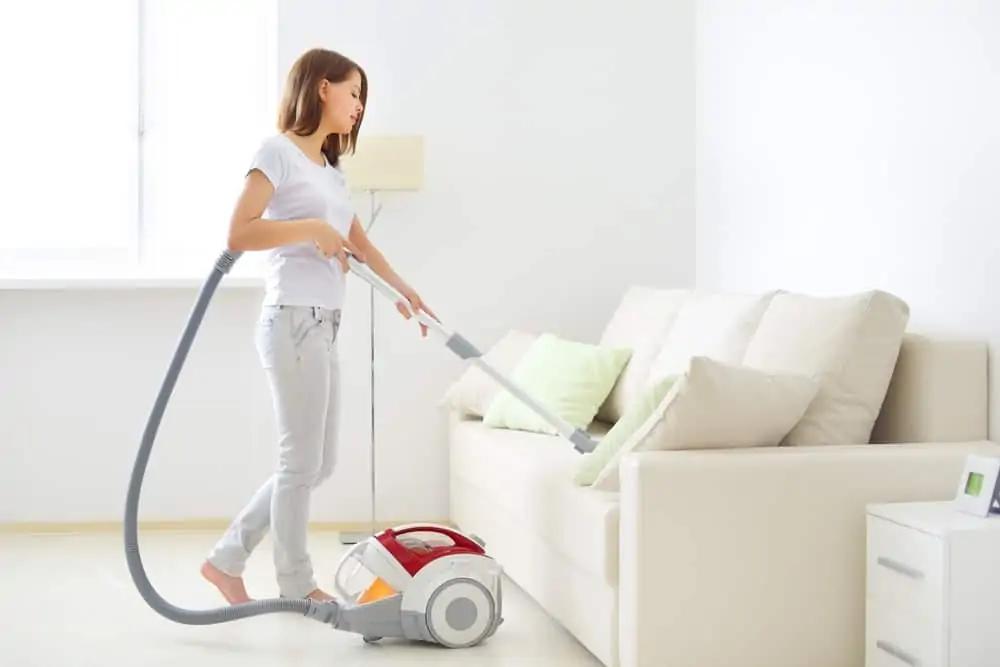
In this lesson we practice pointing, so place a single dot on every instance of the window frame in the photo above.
(126, 264)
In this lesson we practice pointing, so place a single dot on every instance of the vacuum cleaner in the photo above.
(424, 583)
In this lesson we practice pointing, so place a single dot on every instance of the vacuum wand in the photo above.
(458, 344)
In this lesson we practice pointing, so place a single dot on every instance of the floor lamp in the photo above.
(380, 164)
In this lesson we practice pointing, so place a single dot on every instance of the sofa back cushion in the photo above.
(850, 343)
(640, 322)
(717, 325)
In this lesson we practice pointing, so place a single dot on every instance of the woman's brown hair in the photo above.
(301, 108)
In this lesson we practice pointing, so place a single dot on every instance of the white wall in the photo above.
(543, 143)
(850, 145)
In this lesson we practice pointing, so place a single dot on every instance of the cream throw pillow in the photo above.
(719, 405)
(473, 392)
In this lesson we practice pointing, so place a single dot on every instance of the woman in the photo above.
(296, 206)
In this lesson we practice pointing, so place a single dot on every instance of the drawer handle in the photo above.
(897, 653)
(899, 567)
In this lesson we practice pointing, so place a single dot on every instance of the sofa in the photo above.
(729, 534)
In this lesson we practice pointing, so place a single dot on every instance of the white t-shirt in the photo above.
(299, 274)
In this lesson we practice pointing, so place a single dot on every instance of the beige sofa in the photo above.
(725, 557)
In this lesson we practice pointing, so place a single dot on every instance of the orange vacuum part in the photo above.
(378, 590)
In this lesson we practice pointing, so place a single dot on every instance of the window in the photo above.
(127, 127)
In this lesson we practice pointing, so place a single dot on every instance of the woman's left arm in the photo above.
(381, 267)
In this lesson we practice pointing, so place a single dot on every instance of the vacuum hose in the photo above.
(327, 612)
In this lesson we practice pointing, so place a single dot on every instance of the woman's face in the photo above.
(341, 103)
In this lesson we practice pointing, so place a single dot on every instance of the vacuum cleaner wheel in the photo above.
(460, 613)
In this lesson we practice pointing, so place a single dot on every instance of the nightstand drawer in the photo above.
(895, 638)
(905, 568)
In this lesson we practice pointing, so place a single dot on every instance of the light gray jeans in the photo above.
(297, 347)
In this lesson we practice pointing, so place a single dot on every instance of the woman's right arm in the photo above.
(248, 231)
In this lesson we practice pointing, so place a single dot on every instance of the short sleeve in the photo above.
(271, 161)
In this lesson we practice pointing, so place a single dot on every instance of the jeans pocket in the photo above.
(289, 334)
(334, 329)
(270, 334)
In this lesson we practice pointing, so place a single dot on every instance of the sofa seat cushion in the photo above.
(530, 475)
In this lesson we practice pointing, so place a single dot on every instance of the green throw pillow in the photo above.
(592, 463)
(570, 378)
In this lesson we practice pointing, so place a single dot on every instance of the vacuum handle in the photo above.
(458, 538)
(391, 293)
(457, 343)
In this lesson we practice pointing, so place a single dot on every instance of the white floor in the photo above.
(68, 601)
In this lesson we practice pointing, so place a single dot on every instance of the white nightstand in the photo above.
(933, 583)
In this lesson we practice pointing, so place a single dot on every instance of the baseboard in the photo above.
(185, 526)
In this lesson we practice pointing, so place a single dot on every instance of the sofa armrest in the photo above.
(757, 556)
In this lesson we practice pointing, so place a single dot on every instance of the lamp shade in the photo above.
(386, 163)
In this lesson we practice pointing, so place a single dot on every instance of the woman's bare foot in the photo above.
(231, 587)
